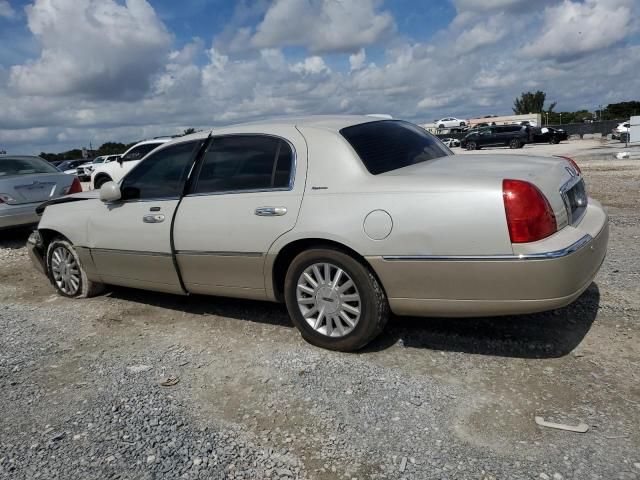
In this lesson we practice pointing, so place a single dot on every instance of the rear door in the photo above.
(130, 240)
(247, 193)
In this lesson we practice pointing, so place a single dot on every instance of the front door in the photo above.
(130, 240)
(247, 194)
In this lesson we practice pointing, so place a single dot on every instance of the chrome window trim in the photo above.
(292, 174)
(574, 247)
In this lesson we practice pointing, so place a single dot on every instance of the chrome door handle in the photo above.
(157, 218)
(271, 211)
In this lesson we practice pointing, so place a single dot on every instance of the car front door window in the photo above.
(162, 175)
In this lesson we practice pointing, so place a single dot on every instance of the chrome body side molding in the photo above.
(530, 256)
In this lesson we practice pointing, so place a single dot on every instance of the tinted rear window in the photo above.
(391, 144)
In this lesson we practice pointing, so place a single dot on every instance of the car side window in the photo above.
(162, 175)
(245, 162)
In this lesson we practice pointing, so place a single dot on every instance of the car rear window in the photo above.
(10, 167)
(391, 144)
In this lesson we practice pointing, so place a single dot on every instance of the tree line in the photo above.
(533, 102)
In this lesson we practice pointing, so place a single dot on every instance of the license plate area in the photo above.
(575, 200)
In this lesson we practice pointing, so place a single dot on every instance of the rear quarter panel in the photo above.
(439, 215)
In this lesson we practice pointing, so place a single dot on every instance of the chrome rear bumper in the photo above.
(523, 282)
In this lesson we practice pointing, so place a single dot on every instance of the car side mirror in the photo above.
(120, 160)
(110, 192)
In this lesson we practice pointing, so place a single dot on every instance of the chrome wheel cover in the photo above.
(65, 270)
(328, 299)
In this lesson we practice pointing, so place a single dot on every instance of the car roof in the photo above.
(333, 123)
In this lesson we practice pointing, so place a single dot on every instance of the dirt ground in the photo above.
(431, 398)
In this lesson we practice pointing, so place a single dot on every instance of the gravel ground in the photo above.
(431, 399)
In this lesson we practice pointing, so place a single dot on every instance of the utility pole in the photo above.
(560, 118)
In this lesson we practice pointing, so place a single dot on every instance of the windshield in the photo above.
(391, 144)
(99, 160)
(10, 167)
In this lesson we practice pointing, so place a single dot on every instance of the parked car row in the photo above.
(512, 136)
(320, 213)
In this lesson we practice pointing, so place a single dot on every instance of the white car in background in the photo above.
(114, 171)
(84, 170)
(619, 131)
(451, 122)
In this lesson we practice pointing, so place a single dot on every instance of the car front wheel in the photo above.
(514, 143)
(471, 146)
(66, 272)
(334, 300)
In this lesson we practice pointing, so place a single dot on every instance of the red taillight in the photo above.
(76, 186)
(572, 162)
(529, 215)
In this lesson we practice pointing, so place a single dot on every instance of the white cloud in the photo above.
(311, 65)
(6, 10)
(356, 60)
(321, 25)
(577, 28)
(482, 34)
(96, 48)
(499, 5)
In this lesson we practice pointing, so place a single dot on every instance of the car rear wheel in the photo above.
(334, 300)
(472, 146)
(66, 272)
(101, 180)
(514, 143)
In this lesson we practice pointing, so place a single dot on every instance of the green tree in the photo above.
(188, 131)
(530, 102)
(622, 110)
(110, 148)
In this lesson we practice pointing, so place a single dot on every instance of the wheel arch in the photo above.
(100, 175)
(279, 262)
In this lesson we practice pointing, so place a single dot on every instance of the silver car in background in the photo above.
(26, 182)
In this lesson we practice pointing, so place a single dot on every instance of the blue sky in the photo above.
(80, 71)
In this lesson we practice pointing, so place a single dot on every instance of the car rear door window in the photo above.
(245, 162)
(162, 175)
(387, 145)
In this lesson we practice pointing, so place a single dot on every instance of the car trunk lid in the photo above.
(557, 178)
(22, 189)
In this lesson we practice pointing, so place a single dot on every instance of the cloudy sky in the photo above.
(80, 71)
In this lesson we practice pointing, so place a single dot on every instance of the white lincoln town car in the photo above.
(343, 218)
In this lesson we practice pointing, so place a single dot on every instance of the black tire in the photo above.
(86, 288)
(515, 143)
(462, 124)
(472, 146)
(101, 180)
(374, 308)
